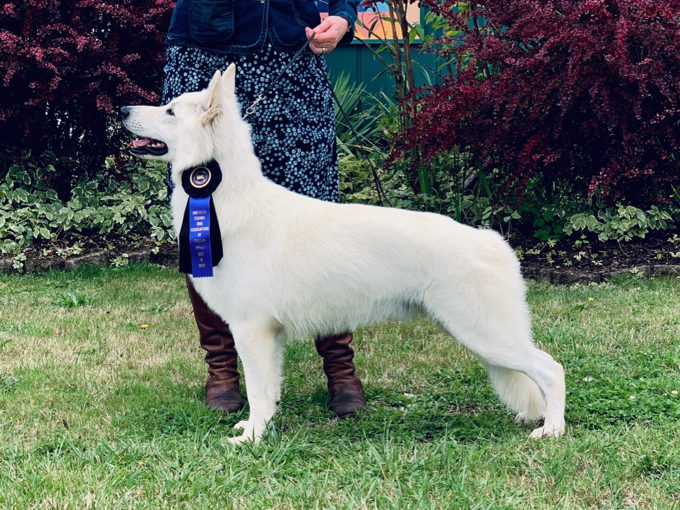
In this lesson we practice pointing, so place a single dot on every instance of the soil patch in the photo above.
(591, 260)
(94, 251)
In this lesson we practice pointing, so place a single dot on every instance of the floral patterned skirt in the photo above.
(293, 128)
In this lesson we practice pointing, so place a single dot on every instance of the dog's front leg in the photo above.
(262, 360)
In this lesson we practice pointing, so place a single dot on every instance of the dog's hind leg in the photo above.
(526, 379)
(262, 358)
(513, 379)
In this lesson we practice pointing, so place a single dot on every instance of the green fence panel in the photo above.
(363, 67)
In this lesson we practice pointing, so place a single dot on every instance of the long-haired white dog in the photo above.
(294, 266)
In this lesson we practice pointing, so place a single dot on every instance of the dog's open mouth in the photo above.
(145, 146)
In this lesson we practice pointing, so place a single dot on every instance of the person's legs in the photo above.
(222, 387)
(347, 393)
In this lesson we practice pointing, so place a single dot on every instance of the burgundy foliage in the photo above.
(577, 93)
(66, 66)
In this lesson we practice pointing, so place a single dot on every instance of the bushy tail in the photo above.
(518, 392)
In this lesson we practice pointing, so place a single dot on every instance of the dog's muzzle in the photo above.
(143, 146)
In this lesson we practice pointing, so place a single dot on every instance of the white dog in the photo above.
(294, 266)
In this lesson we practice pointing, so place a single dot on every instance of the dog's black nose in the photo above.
(125, 111)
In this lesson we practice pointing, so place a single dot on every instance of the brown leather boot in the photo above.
(222, 387)
(347, 393)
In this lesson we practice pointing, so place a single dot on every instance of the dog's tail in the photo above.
(518, 392)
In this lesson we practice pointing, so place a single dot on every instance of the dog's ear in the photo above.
(229, 79)
(214, 105)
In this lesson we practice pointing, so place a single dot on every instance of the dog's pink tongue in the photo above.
(140, 142)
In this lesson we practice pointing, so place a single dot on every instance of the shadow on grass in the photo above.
(175, 409)
(405, 417)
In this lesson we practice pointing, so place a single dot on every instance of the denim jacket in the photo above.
(243, 26)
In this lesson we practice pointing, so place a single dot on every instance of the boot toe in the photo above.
(345, 404)
(229, 401)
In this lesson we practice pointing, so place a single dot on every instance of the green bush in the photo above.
(133, 204)
(451, 193)
(456, 189)
(363, 112)
(621, 223)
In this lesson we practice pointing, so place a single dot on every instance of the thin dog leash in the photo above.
(251, 109)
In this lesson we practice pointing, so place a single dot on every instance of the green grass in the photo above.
(98, 412)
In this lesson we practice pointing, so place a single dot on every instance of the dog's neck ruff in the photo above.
(200, 239)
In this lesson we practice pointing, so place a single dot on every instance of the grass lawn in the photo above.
(101, 406)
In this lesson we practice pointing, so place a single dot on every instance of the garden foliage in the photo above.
(99, 206)
(622, 223)
(582, 95)
(65, 68)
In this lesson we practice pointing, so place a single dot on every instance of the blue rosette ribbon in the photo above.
(200, 239)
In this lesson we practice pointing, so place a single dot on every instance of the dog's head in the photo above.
(183, 131)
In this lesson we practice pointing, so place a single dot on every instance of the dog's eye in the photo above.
(170, 111)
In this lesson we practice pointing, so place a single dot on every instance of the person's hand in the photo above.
(328, 34)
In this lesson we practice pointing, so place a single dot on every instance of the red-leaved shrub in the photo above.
(67, 65)
(576, 93)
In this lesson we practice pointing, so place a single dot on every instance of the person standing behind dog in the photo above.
(293, 131)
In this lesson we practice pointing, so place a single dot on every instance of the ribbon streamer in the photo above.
(200, 239)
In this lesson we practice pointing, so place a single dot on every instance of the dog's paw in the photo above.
(243, 424)
(249, 433)
(547, 431)
(522, 418)
(241, 439)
